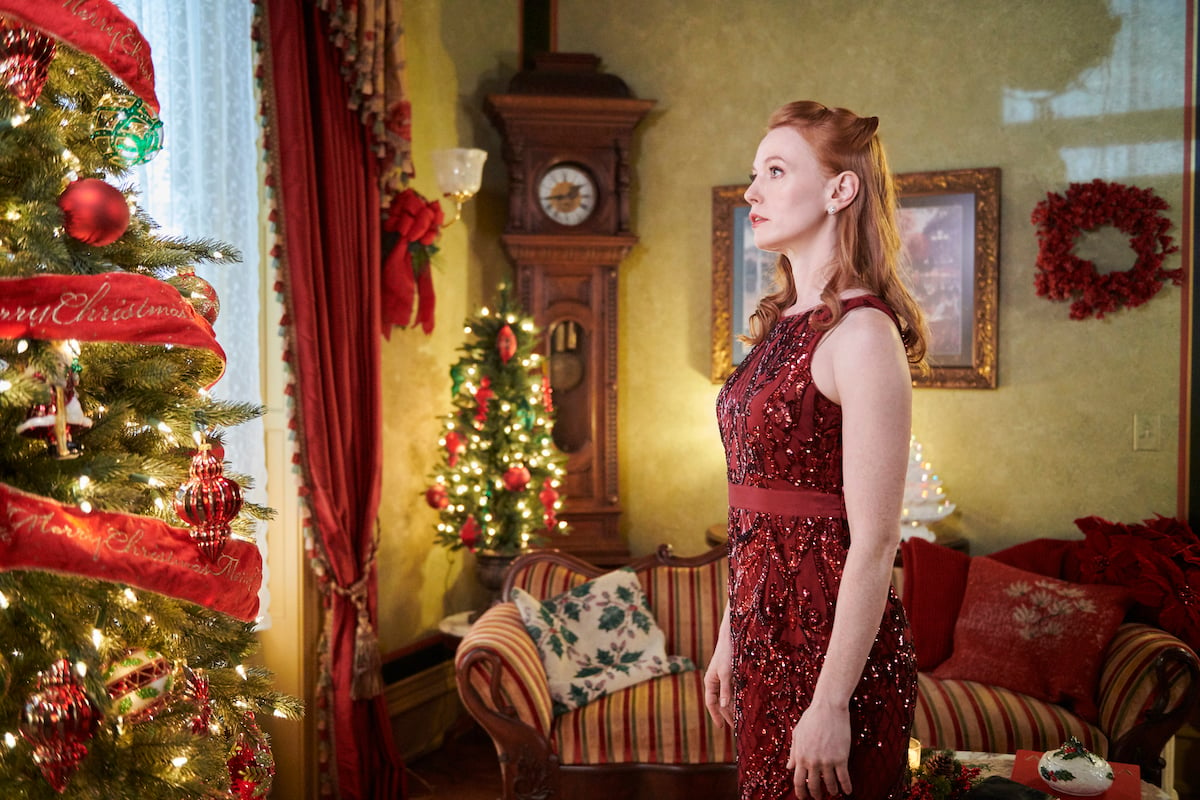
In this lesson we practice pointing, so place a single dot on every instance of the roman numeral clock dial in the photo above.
(567, 194)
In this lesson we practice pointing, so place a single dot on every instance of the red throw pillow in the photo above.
(935, 578)
(1033, 634)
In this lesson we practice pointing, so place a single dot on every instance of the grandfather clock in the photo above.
(567, 129)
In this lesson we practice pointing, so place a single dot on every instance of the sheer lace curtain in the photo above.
(204, 183)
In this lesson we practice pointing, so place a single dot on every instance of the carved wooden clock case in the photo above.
(567, 130)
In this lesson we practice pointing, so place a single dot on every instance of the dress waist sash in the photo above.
(792, 502)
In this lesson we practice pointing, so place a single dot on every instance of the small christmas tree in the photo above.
(128, 573)
(924, 499)
(496, 486)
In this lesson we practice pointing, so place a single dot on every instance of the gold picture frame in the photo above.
(950, 223)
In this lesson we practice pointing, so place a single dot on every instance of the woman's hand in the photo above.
(820, 752)
(718, 692)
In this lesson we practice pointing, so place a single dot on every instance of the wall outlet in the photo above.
(1147, 431)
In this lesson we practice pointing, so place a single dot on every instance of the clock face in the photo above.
(567, 194)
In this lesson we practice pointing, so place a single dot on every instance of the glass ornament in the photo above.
(126, 131)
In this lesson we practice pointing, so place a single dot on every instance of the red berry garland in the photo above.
(1062, 275)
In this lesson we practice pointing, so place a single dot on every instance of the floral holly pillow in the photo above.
(597, 638)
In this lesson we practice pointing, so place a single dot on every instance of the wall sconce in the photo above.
(459, 173)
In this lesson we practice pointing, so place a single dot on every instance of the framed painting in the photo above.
(949, 224)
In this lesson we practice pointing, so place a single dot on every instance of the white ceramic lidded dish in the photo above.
(1071, 769)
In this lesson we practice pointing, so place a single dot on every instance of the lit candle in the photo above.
(914, 755)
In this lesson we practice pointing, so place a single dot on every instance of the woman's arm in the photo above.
(862, 366)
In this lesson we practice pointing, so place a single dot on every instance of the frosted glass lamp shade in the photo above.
(459, 171)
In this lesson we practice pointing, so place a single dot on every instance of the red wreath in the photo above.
(1062, 275)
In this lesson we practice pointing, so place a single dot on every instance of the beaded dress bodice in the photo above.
(788, 541)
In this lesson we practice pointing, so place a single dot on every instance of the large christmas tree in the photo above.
(128, 573)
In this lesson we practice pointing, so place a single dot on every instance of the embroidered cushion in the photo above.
(1033, 634)
(596, 638)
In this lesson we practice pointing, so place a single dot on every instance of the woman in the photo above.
(819, 684)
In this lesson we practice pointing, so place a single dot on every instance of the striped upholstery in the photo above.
(522, 677)
(687, 603)
(1127, 679)
(965, 715)
(660, 721)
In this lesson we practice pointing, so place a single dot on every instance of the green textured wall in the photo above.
(1050, 91)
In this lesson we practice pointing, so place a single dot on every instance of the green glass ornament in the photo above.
(125, 130)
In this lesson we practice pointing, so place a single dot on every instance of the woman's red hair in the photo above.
(868, 251)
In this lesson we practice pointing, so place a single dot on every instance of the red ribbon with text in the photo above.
(98, 28)
(37, 533)
(110, 307)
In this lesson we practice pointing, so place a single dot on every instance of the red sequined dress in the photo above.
(788, 538)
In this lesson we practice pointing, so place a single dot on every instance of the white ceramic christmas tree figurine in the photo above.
(924, 499)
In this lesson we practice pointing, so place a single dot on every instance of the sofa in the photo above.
(654, 739)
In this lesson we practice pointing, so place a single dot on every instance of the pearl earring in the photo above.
(831, 209)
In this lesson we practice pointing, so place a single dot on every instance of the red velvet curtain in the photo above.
(327, 178)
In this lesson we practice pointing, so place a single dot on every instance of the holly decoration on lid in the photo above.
(506, 343)
(94, 212)
(25, 57)
(58, 721)
(208, 501)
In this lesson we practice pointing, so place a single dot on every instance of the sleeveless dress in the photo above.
(788, 538)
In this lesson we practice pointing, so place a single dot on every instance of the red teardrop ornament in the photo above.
(207, 502)
(58, 721)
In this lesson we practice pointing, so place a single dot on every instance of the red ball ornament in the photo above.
(516, 478)
(506, 343)
(437, 497)
(58, 721)
(251, 767)
(25, 57)
(94, 212)
(199, 292)
(207, 502)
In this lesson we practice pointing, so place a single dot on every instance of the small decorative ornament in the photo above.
(207, 502)
(455, 447)
(199, 292)
(58, 721)
(251, 765)
(469, 533)
(940, 776)
(1062, 275)
(1071, 769)
(140, 684)
(484, 394)
(549, 497)
(126, 132)
(516, 478)
(197, 692)
(506, 343)
(94, 212)
(437, 497)
(25, 57)
(58, 417)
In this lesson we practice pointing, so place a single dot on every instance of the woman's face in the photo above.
(789, 192)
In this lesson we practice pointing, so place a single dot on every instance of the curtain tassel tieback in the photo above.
(367, 679)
